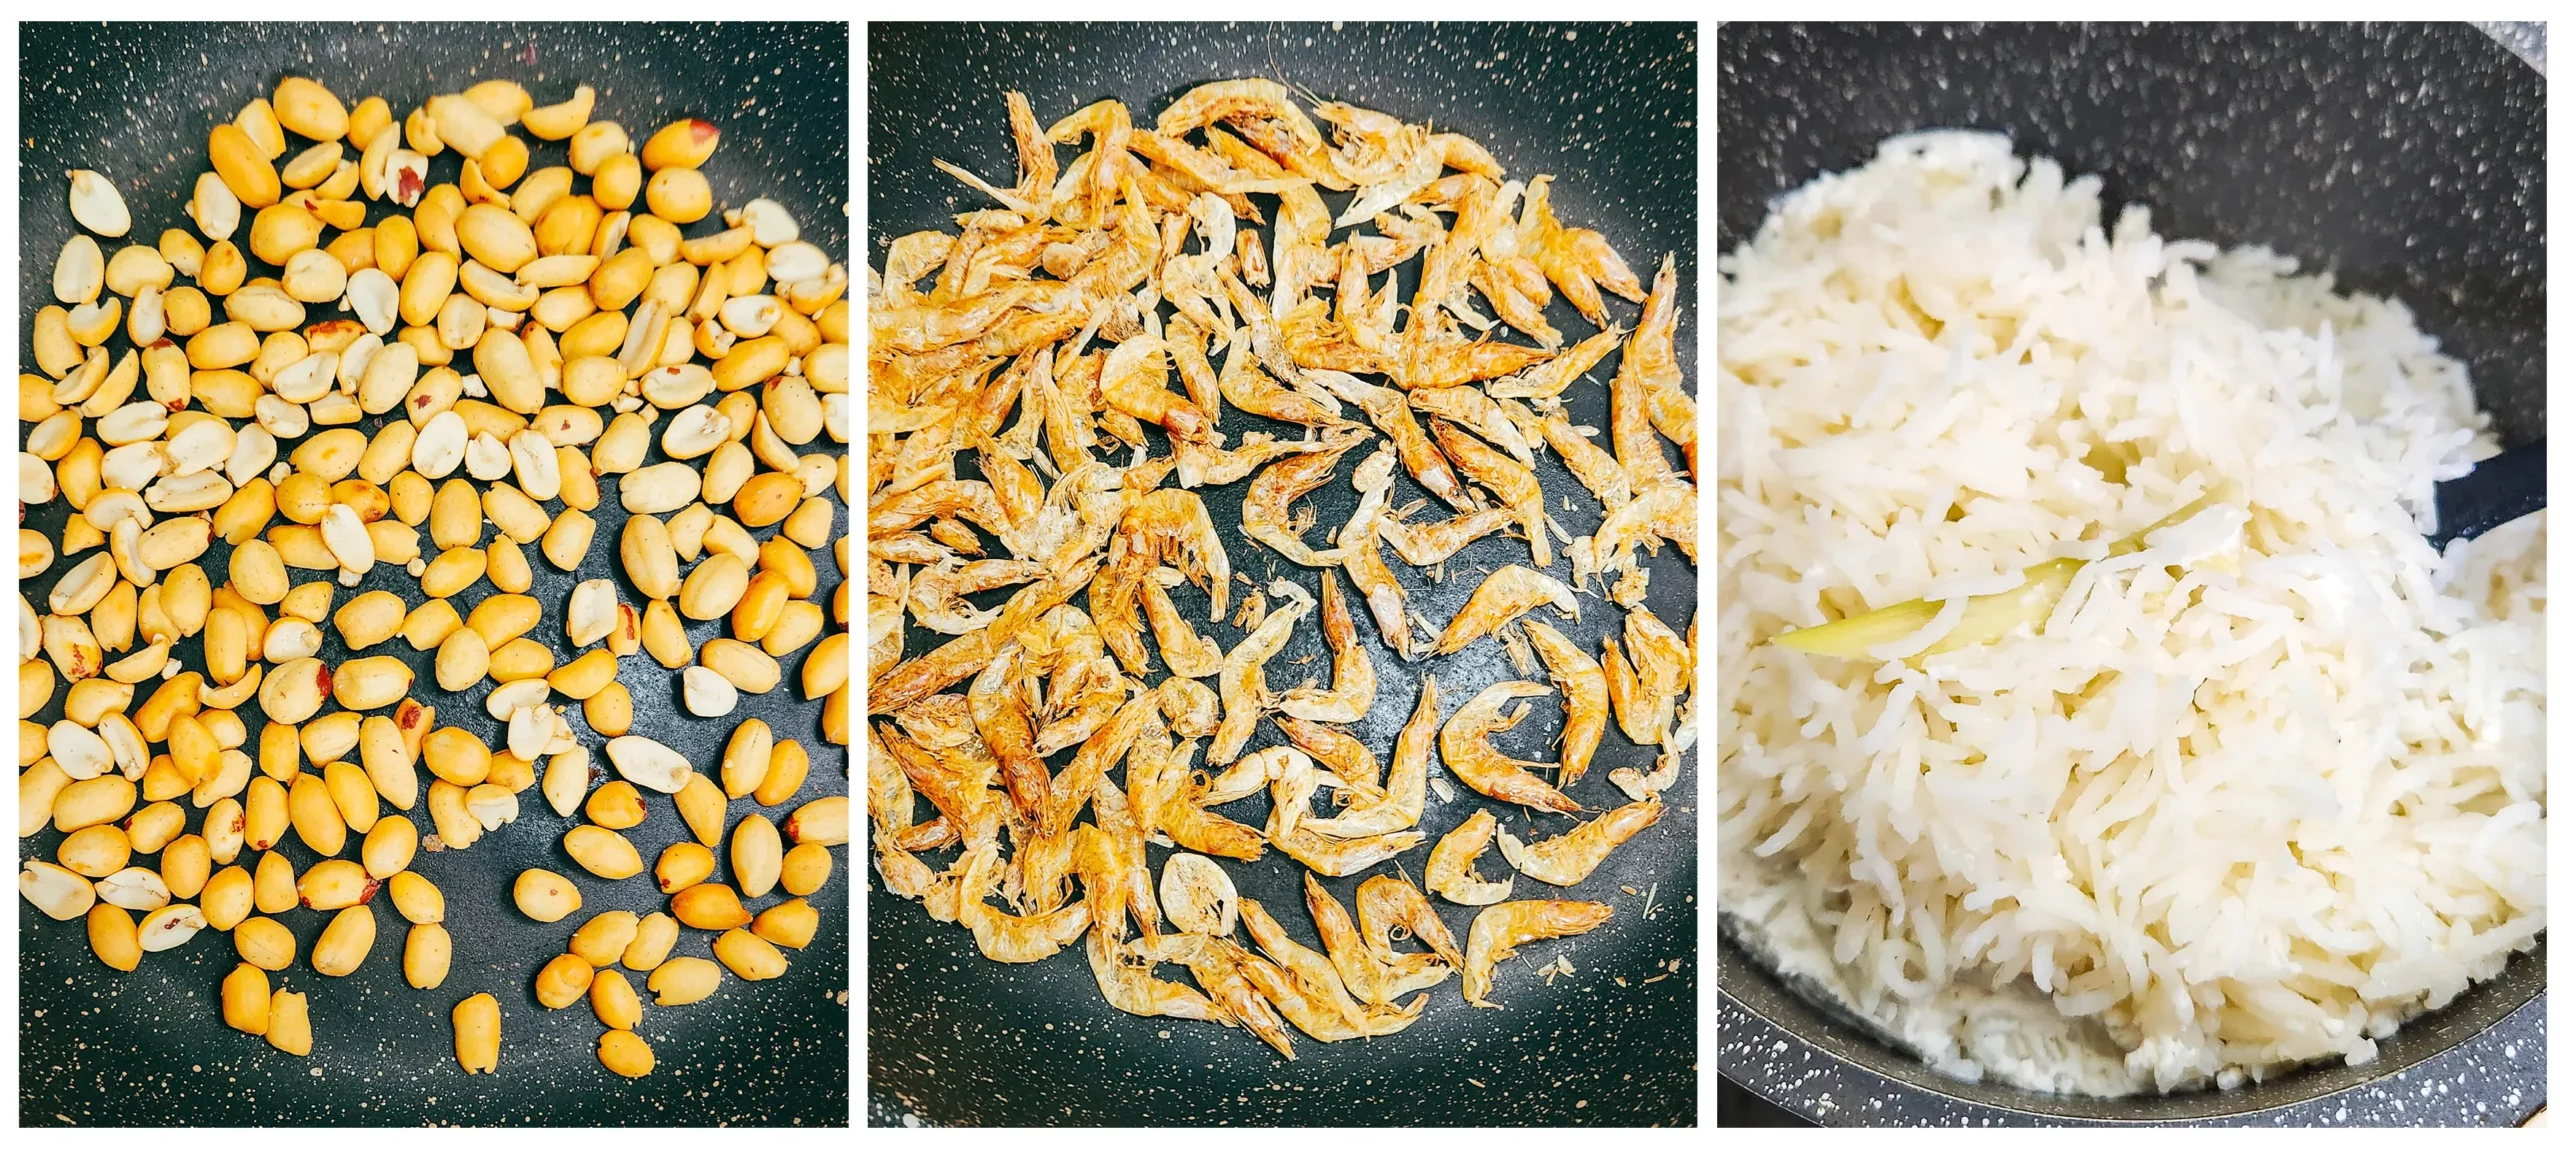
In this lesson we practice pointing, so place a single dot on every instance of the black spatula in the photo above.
(2501, 489)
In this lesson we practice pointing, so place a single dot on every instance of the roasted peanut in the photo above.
(755, 856)
(112, 936)
(611, 996)
(683, 865)
(426, 956)
(417, 899)
(793, 923)
(602, 852)
(545, 896)
(289, 1022)
(244, 999)
(264, 943)
(563, 980)
(476, 1033)
(623, 1052)
(343, 945)
(709, 906)
(604, 937)
(805, 869)
(750, 957)
(650, 946)
(821, 821)
(704, 808)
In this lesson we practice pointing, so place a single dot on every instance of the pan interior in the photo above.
(1626, 1052)
(2407, 159)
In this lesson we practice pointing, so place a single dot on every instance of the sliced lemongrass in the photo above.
(1985, 618)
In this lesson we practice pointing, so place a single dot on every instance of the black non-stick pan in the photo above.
(2409, 160)
(957, 1039)
(135, 101)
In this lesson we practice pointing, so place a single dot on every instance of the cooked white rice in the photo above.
(2254, 795)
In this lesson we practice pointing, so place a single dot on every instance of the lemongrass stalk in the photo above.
(1987, 617)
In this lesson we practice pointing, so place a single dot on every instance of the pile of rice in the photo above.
(2254, 795)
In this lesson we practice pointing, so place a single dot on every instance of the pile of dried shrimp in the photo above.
(1047, 307)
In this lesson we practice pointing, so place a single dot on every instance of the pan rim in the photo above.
(2424, 1067)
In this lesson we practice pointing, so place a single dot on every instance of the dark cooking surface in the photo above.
(2480, 1061)
(956, 1039)
(2409, 160)
(97, 1047)
(1740, 1108)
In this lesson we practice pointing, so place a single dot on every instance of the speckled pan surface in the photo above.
(2481, 1062)
(956, 1039)
(149, 1047)
(2408, 159)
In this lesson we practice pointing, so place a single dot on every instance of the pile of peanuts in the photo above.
(587, 314)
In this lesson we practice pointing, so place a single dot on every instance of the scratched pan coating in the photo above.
(136, 102)
(957, 1039)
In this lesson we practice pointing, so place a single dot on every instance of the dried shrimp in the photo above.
(1181, 308)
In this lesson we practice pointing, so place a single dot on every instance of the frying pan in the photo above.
(957, 1039)
(135, 101)
(2409, 159)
